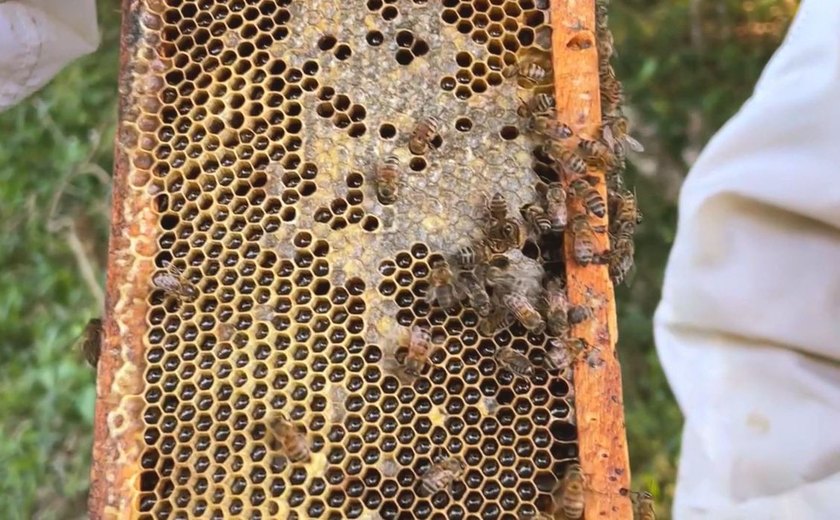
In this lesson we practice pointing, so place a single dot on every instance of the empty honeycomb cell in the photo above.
(479, 69)
(510, 42)
(404, 57)
(463, 92)
(494, 46)
(464, 27)
(356, 130)
(389, 13)
(309, 84)
(374, 38)
(327, 42)
(417, 164)
(509, 133)
(387, 131)
(343, 52)
(525, 36)
(478, 86)
(449, 16)
(404, 39)
(534, 18)
(466, 10)
(480, 36)
(357, 113)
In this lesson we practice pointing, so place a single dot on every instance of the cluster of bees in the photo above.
(572, 156)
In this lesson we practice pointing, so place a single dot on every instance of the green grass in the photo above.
(61, 134)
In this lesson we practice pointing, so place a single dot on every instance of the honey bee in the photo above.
(173, 283)
(555, 204)
(601, 12)
(612, 92)
(423, 135)
(537, 217)
(514, 361)
(643, 506)
(615, 133)
(624, 211)
(584, 240)
(442, 475)
(598, 153)
(498, 319)
(419, 346)
(567, 159)
(387, 179)
(524, 312)
(443, 288)
(621, 258)
(529, 71)
(90, 341)
(572, 492)
(498, 278)
(605, 45)
(476, 293)
(547, 127)
(606, 71)
(543, 122)
(502, 236)
(288, 438)
(579, 314)
(542, 103)
(468, 257)
(556, 309)
(592, 200)
(562, 353)
(497, 207)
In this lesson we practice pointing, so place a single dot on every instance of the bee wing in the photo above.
(630, 276)
(541, 188)
(173, 269)
(524, 109)
(91, 334)
(554, 129)
(608, 137)
(633, 144)
(459, 291)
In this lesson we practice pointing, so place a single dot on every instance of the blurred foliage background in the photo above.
(687, 67)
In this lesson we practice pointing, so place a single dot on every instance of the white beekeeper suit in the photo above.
(748, 329)
(38, 38)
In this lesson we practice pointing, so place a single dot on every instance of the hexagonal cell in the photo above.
(374, 38)
(389, 13)
(404, 57)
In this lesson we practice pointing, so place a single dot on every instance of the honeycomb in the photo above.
(253, 129)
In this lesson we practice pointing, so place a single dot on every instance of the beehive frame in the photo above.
(248, 137)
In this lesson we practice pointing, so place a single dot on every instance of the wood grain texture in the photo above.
(597, 378)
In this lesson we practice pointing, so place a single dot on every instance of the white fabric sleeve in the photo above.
(38, 38)
(748, 329)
